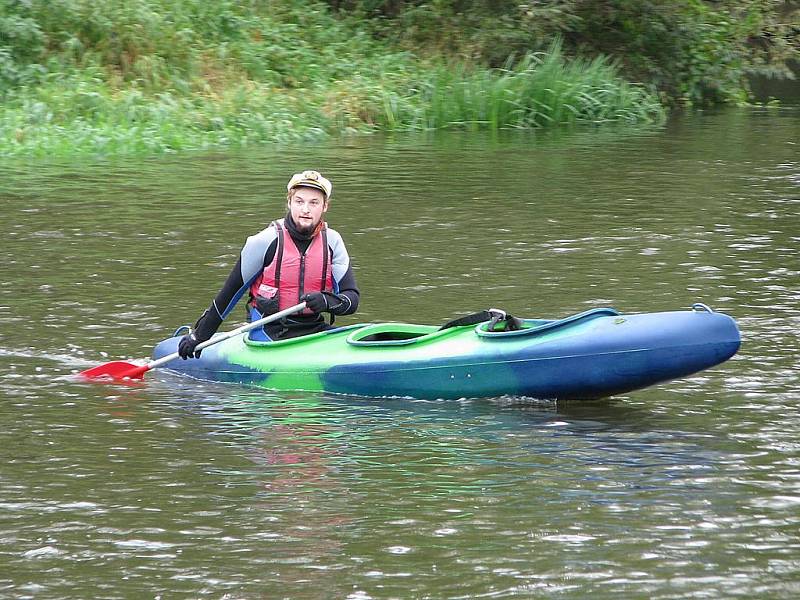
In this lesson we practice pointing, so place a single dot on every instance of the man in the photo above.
(297, 258)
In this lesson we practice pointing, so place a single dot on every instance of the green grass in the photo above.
(116, 77)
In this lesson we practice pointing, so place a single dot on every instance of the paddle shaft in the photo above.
(226, 336)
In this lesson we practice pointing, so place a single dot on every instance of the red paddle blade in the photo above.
(118, 369)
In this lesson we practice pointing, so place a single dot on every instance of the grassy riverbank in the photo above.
(149, 76)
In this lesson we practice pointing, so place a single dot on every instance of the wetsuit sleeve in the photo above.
(258, 251)
(348, 294)
(344, 281)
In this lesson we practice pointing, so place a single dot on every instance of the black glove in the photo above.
(267, 306)
(316, 302)
(187, 345)
(205, 327)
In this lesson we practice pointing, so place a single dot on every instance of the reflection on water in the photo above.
(179, 487)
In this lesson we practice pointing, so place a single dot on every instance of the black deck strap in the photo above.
(278, 257)
(325, 257)
(495, 316)
(473, 319)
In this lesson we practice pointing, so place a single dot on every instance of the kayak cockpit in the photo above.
(529, 327)
(392, 334)
(255, 340)
(402, 334)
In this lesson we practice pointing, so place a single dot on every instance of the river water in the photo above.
(177, 488)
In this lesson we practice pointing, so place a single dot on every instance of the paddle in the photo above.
(119, 369)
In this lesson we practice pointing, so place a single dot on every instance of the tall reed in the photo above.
(539, 90)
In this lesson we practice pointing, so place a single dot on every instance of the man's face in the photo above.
(307, 205)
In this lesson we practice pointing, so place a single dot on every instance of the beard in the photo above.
(302, 231)
(305, 229)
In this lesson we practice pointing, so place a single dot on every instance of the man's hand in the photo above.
(187, 345)
(316, 302)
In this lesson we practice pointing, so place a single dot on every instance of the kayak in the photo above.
(592, 354)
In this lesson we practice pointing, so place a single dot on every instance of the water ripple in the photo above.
(182, 488)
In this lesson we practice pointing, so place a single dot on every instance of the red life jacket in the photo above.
(291, 274)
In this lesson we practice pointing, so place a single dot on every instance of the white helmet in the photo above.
(311, 179)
